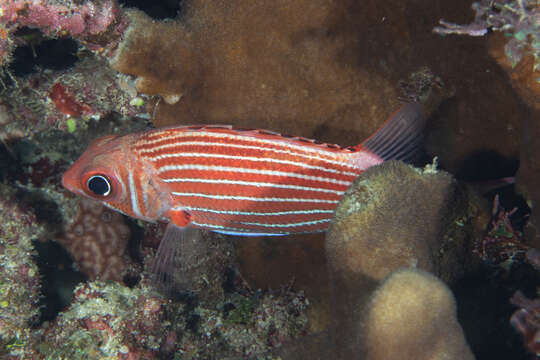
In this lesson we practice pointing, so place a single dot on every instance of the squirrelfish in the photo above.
(233, 181)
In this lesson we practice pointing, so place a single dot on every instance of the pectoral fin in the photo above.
(175, 257)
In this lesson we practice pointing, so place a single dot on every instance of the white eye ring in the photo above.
(99, 185)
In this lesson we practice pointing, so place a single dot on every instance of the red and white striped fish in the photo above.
(233, 181)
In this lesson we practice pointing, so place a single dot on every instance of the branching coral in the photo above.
(287, 66)
(518, 51)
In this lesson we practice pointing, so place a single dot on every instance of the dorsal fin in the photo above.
(400, 137)
(256, 133)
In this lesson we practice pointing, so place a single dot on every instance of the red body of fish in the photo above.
(230, 180)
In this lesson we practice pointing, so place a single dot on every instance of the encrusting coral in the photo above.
(107, 321)
(71, 100)
(95, 23)
(19, 276)
(325, 69)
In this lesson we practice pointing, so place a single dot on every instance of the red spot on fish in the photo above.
(64, 101)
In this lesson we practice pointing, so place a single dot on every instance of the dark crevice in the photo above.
(159, 9)
(40, 53)
(58, 278)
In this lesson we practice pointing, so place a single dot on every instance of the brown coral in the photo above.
(97, 239)
(412, 316)
(321, 69)
(394, 216)
(275, 65)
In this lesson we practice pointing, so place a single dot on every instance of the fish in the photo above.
(247, 182)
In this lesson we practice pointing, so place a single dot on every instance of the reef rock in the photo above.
(522, 75)
(525, 79)
(19, 276)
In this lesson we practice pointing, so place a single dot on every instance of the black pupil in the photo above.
(99, 185)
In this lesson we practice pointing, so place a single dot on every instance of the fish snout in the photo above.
(69, 181)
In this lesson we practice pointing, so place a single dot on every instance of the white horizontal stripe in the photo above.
(304, 223)
(254, 213)
(284, 142)
(253, 198)
(252, 183)
(251, 158)
(251, 147)
(245, 233)
(234, 231)
(250, 171)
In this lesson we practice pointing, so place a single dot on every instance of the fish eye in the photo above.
(99, 185)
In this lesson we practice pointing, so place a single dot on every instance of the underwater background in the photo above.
(436, 261)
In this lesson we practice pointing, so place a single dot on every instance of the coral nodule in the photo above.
(396, 216)
(412, 316)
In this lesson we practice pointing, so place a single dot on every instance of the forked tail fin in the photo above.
(401, 136)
